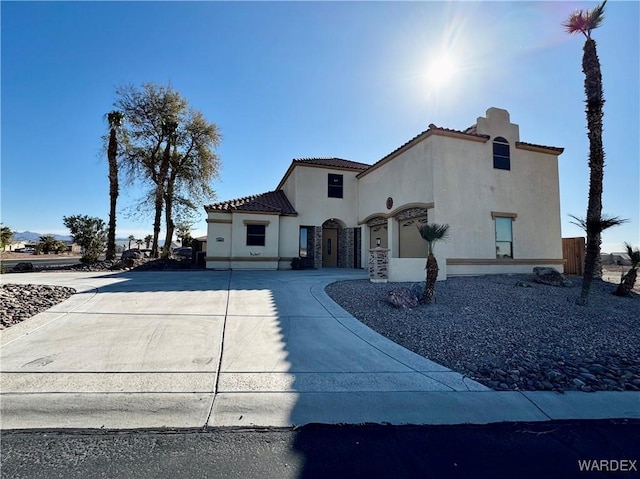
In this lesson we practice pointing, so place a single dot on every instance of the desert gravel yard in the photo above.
(510, 333)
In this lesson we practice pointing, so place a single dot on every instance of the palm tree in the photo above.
(131, 238)
(139, 243)
(584, 22)
(115, 122)
(48, 243)
(6, 235)
(147, 240)
(628, 281)
(432, 233)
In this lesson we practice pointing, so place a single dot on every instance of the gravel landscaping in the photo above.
(21, 301)
(509, 333)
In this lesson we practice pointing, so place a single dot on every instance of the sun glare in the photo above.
(441, 71)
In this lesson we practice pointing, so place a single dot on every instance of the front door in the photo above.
(329, 248)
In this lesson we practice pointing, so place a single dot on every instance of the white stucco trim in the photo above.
(256, 222)
(502, 214)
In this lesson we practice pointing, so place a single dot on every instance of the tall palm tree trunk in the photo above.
(595, 101)
(112, 153)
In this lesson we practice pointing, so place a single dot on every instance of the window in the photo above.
(501, 155)
(504, 237)
(303, 250)
(256, 235)
(335, 186)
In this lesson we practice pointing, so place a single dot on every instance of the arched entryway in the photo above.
(332, 230)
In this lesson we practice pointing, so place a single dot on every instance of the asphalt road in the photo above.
(39, 261)
(514, 450)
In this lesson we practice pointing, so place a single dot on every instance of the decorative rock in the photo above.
(22, 301)
(23, 267)
(523, 284)
(588, 376)
(418, 289)
(550, 277)
(402, 298)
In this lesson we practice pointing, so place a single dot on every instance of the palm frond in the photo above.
(584, 22)
(576, 23)
(114, 118)
(634, 255)
(595, 16)
(599, 225)
(431, 232)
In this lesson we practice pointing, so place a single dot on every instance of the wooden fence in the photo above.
(573, 255)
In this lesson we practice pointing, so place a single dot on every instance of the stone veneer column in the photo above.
(346, 250)
(379, 265)
(317, 247)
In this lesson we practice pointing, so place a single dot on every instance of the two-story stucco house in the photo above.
(499, 195)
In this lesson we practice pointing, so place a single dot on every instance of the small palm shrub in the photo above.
(628, 281)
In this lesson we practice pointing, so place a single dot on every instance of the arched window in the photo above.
(501, 154)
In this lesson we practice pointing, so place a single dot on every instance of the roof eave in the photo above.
(551, 150)
(421, 137)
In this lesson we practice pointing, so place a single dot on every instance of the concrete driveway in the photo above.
(219, 348)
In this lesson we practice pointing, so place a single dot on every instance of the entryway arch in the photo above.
(331, 235)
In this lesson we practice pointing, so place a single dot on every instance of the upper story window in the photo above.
(335, 186)
(501, 154)
(256, 234)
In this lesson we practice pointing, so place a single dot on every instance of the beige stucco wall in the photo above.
(456, 175)
(233, 251)
(255, 257)
(218, 226)
(312, 203)
(406, 179)
(289, 240)
(529, 190)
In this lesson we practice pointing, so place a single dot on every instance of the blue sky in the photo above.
(286, 80)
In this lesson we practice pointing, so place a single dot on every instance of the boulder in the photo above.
(402, 298)
(550, 276)
(22, 267)
(418, 289)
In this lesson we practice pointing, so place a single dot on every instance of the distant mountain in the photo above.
(32, 236)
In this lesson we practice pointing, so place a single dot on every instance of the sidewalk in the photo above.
(219, 348)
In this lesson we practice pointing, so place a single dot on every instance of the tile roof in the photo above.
(332, 163)
(552, 148)
(269, 202)
(471, 132)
